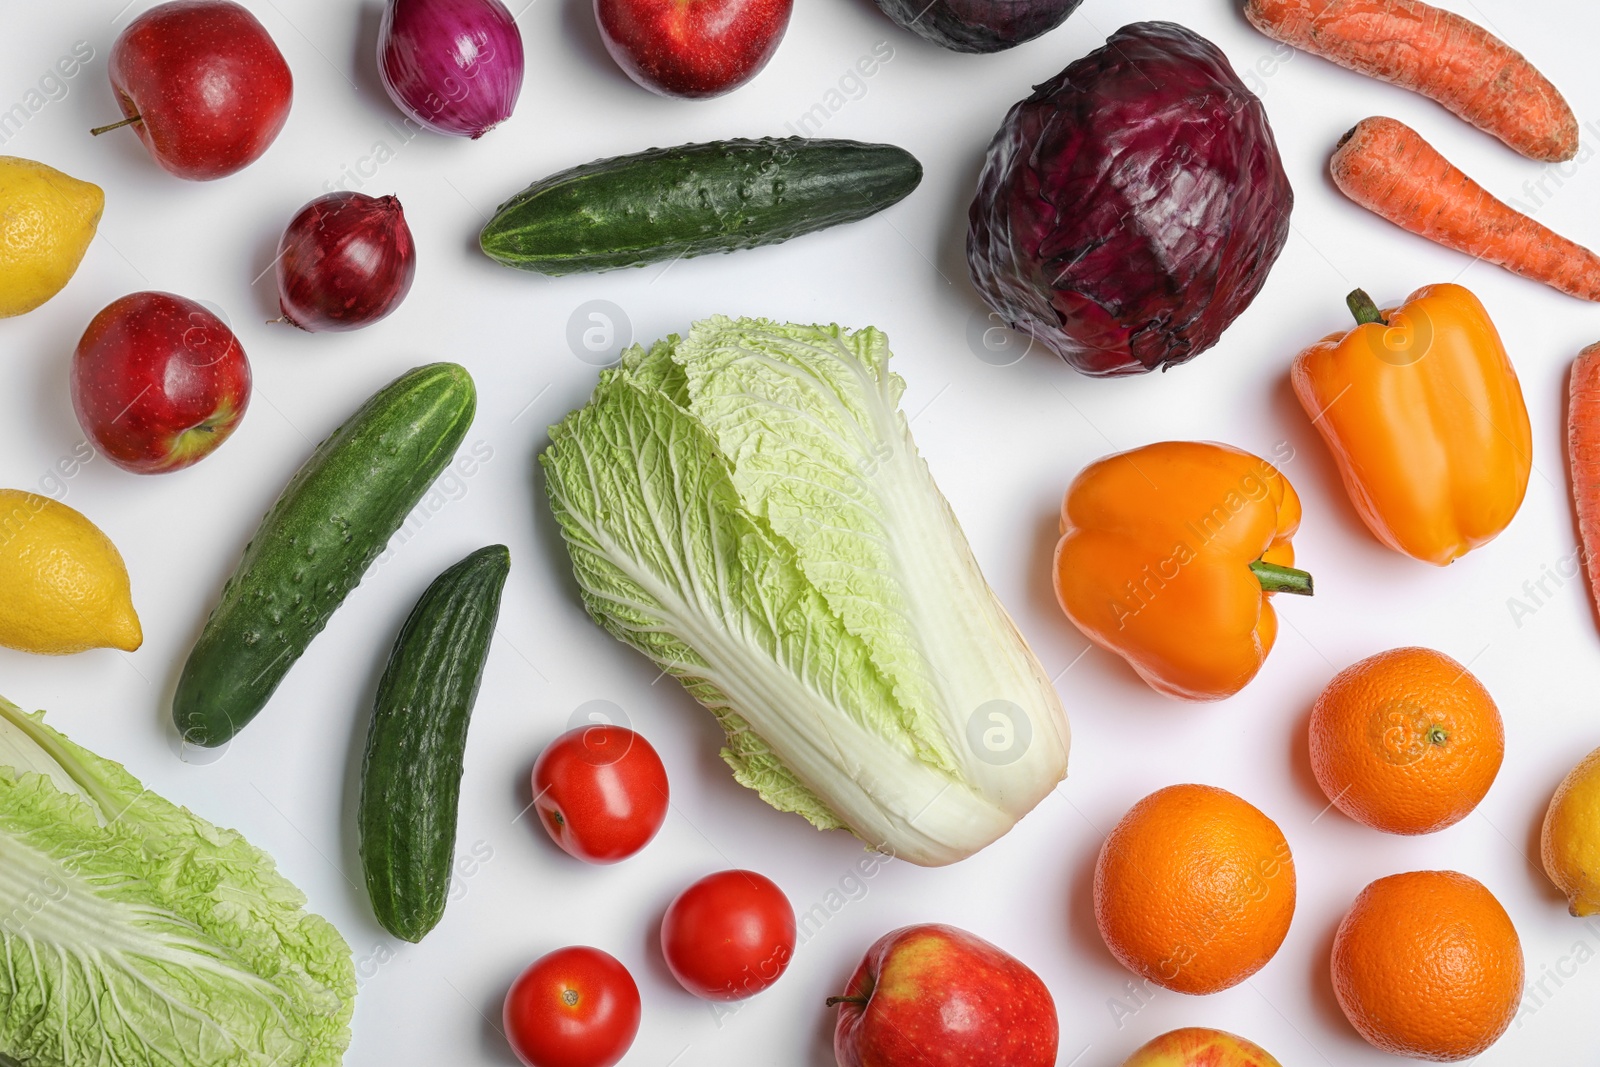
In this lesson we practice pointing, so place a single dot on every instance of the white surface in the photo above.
(1003, 442)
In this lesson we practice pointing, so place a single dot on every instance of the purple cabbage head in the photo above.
(1131, 208)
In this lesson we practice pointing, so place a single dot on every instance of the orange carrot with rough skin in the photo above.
(1583, 454)
(1387, 168)
(1438, 54)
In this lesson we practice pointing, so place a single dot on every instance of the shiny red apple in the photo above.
(692, 48)
(936, 996)
(202, 84)
(158, 382)
(1199, 1046)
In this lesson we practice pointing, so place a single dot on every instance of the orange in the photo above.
(1194, 889)
(1428, 965)
(1407, 741)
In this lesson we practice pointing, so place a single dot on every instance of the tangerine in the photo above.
(1194, 889)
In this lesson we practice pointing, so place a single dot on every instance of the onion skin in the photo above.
(453, 66)
(345, 262)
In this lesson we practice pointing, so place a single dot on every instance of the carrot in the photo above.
(1583, 454)
(1438, 54)
(1387, 168)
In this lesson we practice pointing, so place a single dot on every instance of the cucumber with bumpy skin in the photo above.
(672, 203)
(411, 773)
(329, 524)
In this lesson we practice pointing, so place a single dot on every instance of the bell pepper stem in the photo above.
(1364, 308)
(1279, 579)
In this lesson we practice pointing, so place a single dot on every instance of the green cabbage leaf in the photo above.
(134, 933)
(746, 506)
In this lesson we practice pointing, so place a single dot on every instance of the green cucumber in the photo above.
(331, 521)
(671, 203)
(411, 773)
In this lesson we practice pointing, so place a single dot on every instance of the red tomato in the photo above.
(728, 936)
(576, 1007)
(601, 792)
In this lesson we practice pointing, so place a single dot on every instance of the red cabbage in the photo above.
(1131, 208)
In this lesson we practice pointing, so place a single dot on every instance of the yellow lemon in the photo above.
(1570, 841)
(47, 220)
(66, 588)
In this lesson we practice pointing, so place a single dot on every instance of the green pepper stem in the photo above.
(1364, 308)
(1277, 579)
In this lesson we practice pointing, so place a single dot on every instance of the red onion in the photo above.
(455, 66)
(345, 262)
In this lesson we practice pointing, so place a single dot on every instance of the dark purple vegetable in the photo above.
(979, 25)
(345, 261)
(1132, 207)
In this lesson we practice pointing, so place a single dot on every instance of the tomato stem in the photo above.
(1364, 308)
(1279, 579)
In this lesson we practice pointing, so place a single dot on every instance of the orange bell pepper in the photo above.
(1425, 418)
(1169, 555)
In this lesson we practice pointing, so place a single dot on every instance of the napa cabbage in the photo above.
(133, 932)
(745, 506)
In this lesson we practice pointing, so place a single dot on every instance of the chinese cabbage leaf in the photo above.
(133, 932)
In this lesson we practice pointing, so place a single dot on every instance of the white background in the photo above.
(1002, 441)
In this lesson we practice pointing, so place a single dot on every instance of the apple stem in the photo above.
(98, 130)
(833, 1001)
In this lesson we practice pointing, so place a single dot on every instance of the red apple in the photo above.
(203, 86)
(1197, 1046)
(935, 996)
(692, 48)
(158, 382)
